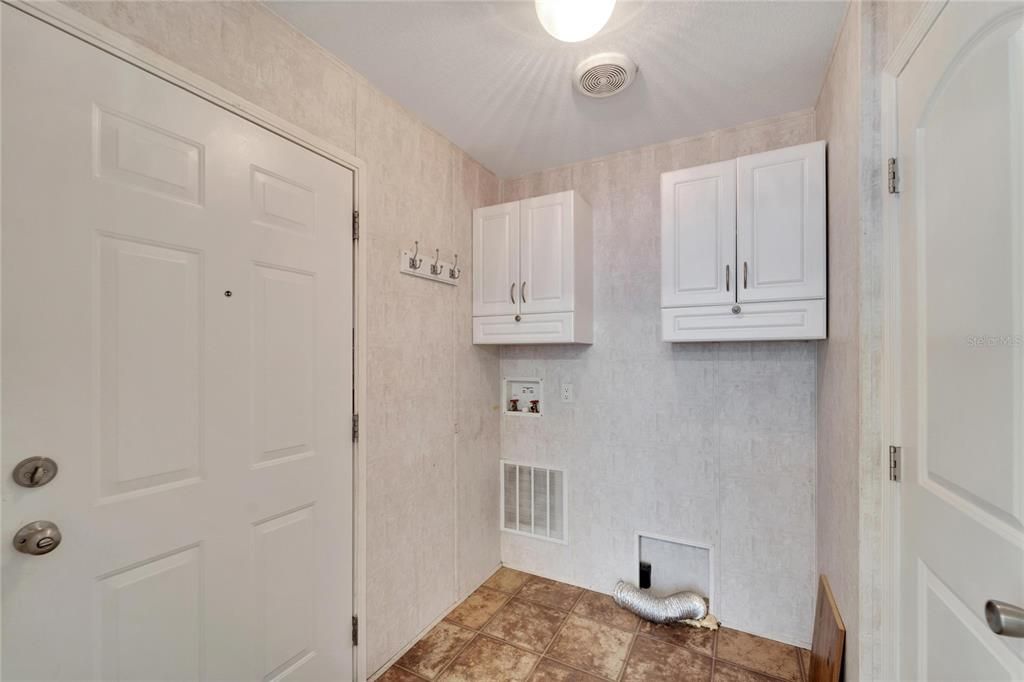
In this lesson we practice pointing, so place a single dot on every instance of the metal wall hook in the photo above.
(411, 263)
(414, 262)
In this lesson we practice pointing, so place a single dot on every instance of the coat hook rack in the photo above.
(411, 263)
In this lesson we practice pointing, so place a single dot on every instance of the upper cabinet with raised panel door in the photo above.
(533, 271)
(698, 235)
(496, 259)
(743, 248)
(780, 224)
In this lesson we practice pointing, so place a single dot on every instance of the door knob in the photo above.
(1004, 619)
(38, 537)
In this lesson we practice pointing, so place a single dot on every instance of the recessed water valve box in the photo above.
(523, 396)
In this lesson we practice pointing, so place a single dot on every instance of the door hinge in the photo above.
(355, 225)
(894, 176)
(355, 428)
(895, 463)
(355, 630)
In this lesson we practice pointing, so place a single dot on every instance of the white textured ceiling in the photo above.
(488, 77)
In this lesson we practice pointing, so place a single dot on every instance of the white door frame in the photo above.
(889, 580)
(71, 22)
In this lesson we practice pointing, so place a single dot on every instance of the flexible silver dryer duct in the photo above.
(675, 607)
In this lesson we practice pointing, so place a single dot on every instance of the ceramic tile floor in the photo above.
(521, 627)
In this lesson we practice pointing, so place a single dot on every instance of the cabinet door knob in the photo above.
(736, 310)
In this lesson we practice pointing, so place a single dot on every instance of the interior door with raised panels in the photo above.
(698, 235)
(177, 329)
(961, 269)
(546, 254)
(780, 224)
(496, 260)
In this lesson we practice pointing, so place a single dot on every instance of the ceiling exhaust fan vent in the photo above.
(604, 74)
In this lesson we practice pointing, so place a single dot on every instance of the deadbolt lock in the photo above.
(33, 472)
(38, 537)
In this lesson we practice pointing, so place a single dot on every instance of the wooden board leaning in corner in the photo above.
(829, 637)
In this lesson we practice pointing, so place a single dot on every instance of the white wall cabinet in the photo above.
(698, 235)
(496, 259)
(743, 248)
(533, 275)
(780, 224)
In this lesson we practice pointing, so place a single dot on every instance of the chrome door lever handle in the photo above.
(1004, 619)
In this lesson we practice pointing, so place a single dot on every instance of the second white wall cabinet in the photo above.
(533, 277)
(743, 248)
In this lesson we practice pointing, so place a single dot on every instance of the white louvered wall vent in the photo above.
(533, 501)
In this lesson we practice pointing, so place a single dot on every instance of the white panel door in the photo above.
(698, 235)
(177, 293)
(961, 152)
(496, 260)
(780, 224)
(546, 254)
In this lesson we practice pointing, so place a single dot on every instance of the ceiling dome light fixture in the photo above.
(574, 20)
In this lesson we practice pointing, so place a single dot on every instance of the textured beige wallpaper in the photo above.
(706, 442)
(430, 428)
(427, 541)
(851, 469)
(839, 121)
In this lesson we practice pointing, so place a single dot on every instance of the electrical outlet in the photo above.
(567, 393)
